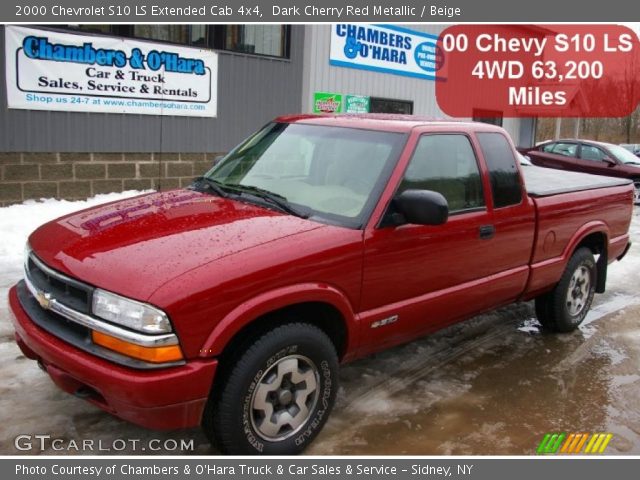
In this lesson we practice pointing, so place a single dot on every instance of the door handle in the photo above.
(487, 232)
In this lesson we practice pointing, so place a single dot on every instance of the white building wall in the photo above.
(512, 125)
(319, 76)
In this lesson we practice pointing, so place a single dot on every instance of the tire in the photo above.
(277, 396)
(636, 192)
(564, 308)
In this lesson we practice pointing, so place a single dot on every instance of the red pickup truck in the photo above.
(318, 240)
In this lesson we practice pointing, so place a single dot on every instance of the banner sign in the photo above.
(49, 70)
(324, 102)
(386, 49)
(356, 104)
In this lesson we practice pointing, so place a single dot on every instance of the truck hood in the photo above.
(133, 246)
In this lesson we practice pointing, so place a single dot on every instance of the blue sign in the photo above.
(387, 49)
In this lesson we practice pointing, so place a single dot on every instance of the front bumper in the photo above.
(164, 399)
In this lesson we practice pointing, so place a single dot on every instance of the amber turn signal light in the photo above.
(161, 354)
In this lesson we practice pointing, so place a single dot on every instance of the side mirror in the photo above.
(423, 207)
(609, 161)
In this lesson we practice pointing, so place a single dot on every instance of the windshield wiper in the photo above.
(279, 201)
(212, 185)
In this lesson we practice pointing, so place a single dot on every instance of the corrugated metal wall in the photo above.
(251, 91)
(319, 76)
(323, 77)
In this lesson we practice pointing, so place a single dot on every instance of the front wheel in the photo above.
(277, 396)
(564, 308)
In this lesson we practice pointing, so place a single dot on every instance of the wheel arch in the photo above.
(595, 237)
(320, 305)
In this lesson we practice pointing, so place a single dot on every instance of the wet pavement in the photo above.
(492, 385)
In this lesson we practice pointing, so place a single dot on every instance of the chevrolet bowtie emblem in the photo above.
(44, 299)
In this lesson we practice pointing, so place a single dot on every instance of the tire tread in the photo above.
(218, 418)
(550, 307)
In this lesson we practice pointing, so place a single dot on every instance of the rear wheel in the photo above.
(277, 396)
(564, 308)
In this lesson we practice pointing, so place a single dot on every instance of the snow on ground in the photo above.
(17, 223)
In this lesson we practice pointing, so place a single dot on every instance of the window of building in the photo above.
(446, 163)
(163, 33)
(388, 105)
(269, 40)
(492, 117)
(199, 35)
(503, 171)
(180, 34)
(107, 29)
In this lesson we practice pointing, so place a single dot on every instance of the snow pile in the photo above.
(18, 221)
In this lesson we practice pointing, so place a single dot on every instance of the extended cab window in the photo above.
(446, 163)
(503, 171)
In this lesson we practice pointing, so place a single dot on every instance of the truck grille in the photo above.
(61, 305)
(69, 292)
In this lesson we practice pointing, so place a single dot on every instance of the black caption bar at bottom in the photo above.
(476, 468)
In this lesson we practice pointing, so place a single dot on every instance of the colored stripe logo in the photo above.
(574, 443)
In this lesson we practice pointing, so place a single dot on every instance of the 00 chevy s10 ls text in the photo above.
(318, 240)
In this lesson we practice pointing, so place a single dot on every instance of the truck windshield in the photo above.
(335, 174)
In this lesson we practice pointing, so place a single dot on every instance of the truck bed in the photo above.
(544, 182)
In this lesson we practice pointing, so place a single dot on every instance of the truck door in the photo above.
(418, 278)
(511, 210)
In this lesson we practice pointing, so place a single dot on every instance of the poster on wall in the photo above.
(357, 104)
(325, 102)
(386, 49)
(48, 70)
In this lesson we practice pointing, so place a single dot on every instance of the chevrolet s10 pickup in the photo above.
(316, 241)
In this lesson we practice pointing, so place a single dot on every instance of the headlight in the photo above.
(129, 313)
